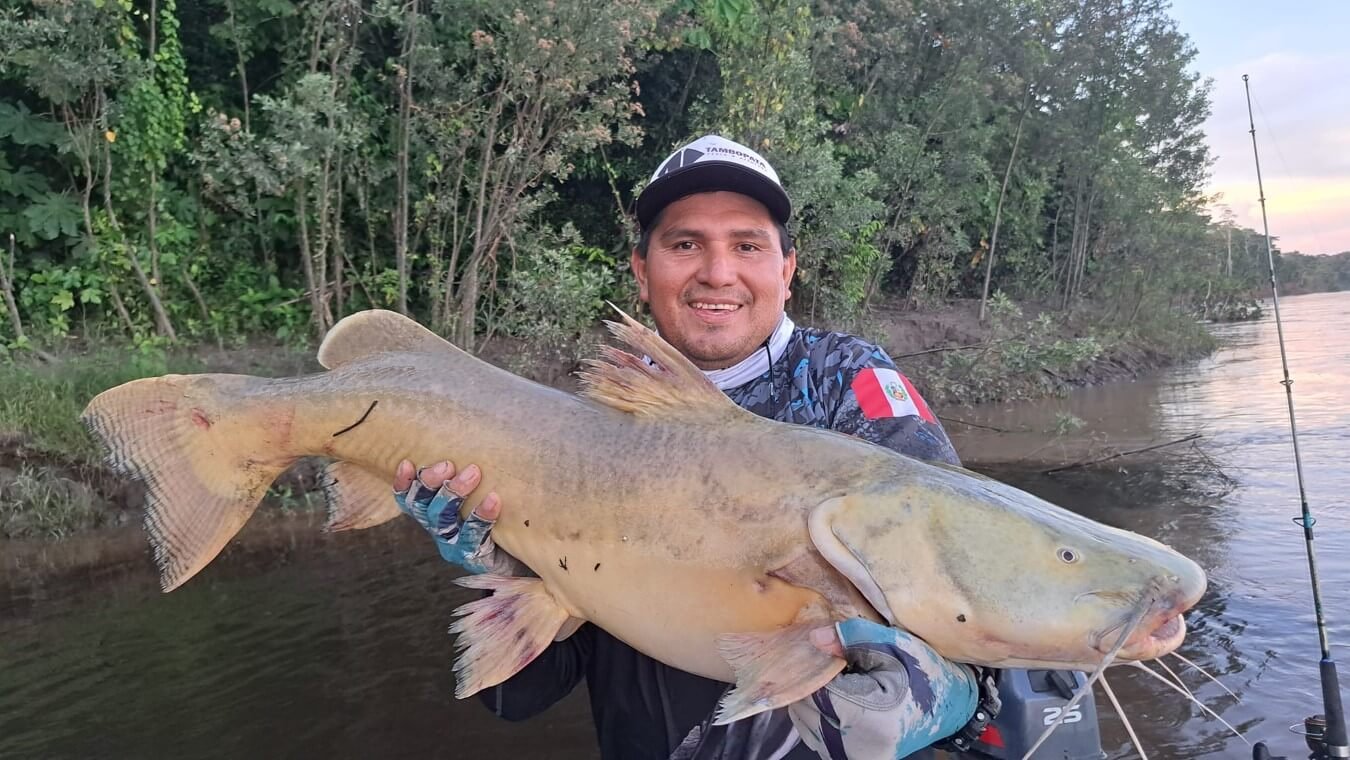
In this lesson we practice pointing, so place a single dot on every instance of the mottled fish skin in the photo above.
(667, 529)
(641, 497)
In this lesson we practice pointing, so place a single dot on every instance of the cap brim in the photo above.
(711, 176)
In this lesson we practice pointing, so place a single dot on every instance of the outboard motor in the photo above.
(1031, 700)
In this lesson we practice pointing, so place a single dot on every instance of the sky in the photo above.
(1297, 54)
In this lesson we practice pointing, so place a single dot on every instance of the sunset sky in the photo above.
(1298, 58)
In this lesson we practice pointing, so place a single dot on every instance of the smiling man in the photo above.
(715, 262)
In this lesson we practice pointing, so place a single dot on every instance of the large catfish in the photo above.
(704, 536)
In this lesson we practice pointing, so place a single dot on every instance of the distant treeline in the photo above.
(1314, 274)
(233, 167)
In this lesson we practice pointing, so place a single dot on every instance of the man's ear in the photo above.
(639, 266)
(789, 269)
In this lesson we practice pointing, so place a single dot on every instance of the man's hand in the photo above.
(897, 696)
(433, 496)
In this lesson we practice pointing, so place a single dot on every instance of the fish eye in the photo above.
(1068, 556)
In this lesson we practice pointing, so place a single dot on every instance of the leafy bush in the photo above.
(553, 296)
(1017, 352)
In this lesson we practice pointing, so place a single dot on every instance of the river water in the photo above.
(295, 643)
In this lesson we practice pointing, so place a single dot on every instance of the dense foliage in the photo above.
(232, 167)
(1314, 274)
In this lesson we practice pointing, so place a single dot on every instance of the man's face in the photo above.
(715, 276)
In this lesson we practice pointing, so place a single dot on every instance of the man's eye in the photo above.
(685, 245)
(748, 248)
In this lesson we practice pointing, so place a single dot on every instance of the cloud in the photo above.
(1307, 214)
(1301, 116)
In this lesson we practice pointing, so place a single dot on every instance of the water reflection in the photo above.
(1255, 626)
(294, 644)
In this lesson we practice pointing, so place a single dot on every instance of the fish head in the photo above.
(990, 575)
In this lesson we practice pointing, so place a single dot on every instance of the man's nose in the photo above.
(718, 269)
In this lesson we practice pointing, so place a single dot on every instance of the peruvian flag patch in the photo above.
(887, 393)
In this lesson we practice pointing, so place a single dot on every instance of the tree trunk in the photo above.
(1054, 243)
(339, 251)
(998, 210)
(468, 303)
(307, 261)
(1230, 251)
(152, 222)
(1083, 245)
(201, 305)
(121, 308)
(7, 284)
(405, 129)
(163, 326)
(1071, 263)
(151, 217)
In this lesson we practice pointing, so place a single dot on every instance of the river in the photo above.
(295, 643)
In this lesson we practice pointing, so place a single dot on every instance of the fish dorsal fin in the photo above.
(671, 386)
(377, 331)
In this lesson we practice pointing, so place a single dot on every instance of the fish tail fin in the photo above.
(504, 632)
(357, 498)
(205, 463)
(772, 670)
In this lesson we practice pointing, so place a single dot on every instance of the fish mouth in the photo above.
(1166, 634)
(1159, 631)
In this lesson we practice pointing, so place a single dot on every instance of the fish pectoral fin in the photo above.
(821, 524)
(377, 331)
(671, 387)
(773, 669)
(356, 497)
(502, 633)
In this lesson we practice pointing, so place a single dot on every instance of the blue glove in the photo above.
(464, 542)
(897, 697)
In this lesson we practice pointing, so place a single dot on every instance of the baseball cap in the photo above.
(710, 163)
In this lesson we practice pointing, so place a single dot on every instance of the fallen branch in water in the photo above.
(951, 348)
(960, 421)
(1099, 460)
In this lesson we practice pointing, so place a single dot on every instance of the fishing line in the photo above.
(1333, 740)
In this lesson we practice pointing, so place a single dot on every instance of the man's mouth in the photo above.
(714, 311)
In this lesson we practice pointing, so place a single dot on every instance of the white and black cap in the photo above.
(711, 163)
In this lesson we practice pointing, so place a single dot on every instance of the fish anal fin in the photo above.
(809, 570)
(377, 331)
(504, 632)
(672, 386)
(773, 669)
(356, 497)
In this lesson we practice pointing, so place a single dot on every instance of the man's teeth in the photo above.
(716, 306)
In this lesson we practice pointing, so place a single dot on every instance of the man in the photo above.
(715, 263)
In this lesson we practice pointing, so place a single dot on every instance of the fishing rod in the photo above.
(1325, 734)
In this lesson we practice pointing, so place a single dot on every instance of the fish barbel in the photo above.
(706, 537)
